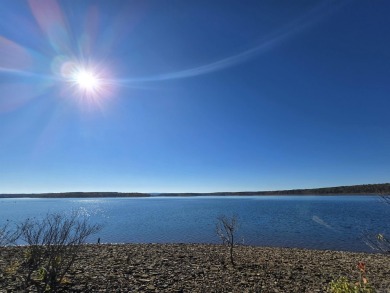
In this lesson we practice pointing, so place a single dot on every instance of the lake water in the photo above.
(319, 222)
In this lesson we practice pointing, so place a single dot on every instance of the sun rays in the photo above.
(88, 83)
(64, 64)
(63, 61)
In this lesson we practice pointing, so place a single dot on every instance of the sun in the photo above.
(87, 80)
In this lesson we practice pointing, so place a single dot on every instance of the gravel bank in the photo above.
(205, 268)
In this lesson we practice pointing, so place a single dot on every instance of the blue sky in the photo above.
(193, 96)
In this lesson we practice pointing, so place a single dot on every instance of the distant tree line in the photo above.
(379, 189)
(75, 195)
(354, 189)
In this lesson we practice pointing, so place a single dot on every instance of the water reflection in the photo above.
(309, 222)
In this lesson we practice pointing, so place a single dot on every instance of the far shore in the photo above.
(353, 190)
(38, 196)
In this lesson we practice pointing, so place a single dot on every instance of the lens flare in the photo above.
(85, 80)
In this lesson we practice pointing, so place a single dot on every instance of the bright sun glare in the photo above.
(87, 80)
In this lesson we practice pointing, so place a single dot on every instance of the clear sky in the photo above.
(193, 96)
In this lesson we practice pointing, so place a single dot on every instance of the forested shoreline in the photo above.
(365, 189)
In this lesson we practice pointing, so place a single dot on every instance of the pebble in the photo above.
(205, 268)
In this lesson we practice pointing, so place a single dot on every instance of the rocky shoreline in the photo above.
(205, 268)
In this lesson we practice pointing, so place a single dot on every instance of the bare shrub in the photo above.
(53, 245)
(379, 242)
(8, 265)
(226, 229)
(8, 236)
(386, 198)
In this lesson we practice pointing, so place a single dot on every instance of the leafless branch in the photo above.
(54, 243)
(386, 198)
(377, 242)
(8, 236)
(226, 229)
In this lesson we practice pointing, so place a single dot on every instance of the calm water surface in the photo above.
(320, 222)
